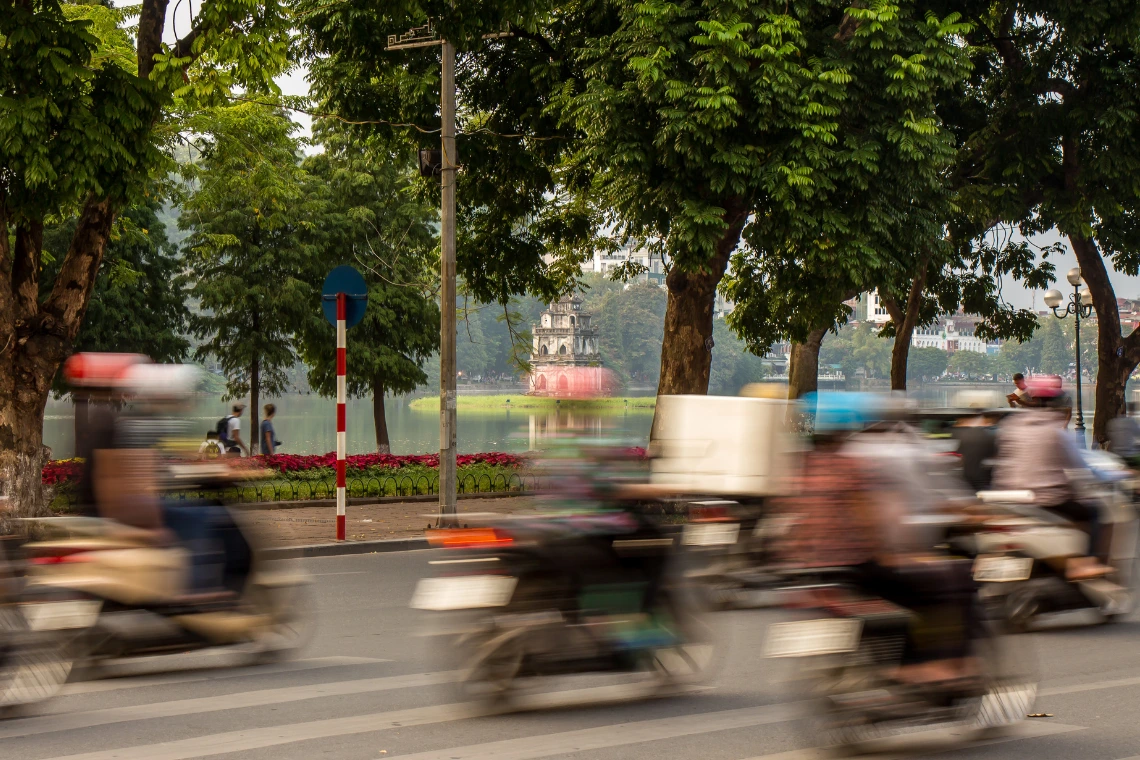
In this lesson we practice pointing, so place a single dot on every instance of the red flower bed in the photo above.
(62, 471)
(65, 470)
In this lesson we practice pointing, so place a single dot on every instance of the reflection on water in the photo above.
(307, 425)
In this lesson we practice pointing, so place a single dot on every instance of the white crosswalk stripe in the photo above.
(616, 735)
(90, 718)
(126, 676)
(608, 736)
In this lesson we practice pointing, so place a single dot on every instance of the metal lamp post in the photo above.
(1081, 307)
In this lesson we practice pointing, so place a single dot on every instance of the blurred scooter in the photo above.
(848, 646)
(560, 595)
(1023, 551)
(130, 597)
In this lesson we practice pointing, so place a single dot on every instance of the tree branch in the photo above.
(26, 269)
(152, 19)
(848, 26)
(184, 48)
(1004, 42)
(535, 37)
(62, 313)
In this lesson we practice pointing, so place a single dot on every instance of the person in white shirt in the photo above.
(234, 443)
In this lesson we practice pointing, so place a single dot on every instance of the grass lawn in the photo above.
(498, 403)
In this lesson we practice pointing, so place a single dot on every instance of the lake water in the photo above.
(306, 424)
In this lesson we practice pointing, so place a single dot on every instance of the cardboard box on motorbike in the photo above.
(729, 446)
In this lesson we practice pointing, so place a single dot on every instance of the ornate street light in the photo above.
(1081, 307)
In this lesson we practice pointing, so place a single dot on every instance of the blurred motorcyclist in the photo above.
(1036, 453)
(853, 512)
(977, 446)
(592, 497)
(132, 476)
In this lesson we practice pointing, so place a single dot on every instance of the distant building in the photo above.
(565, 351)
(604, 264)
(952, 334)
(868, 307)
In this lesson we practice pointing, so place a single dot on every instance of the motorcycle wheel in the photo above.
(1012, 674)
(292, 609)
(490, 662)
(32, 671)
(697, 653)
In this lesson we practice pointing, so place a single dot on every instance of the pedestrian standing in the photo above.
(268, 439)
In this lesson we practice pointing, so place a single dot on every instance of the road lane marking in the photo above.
(604, 736)
(617, 734)
(65, 721)
(260, 738)
(193, 674)
(1094, 686)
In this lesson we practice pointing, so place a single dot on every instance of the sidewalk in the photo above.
(301, 526)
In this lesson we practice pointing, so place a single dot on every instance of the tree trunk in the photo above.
(254, 402)
(803, 365)
(905, 321)
(686, 351)
(22, 455)
(379, 417)
(1118, 356)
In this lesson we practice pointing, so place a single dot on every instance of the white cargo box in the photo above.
(722, 445)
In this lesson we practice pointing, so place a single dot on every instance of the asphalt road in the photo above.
(369, 687)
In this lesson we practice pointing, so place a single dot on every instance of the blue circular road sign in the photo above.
(345, 279)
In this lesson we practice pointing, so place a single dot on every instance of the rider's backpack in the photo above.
(223, 430)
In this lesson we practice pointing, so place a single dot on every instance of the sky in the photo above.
(294, 83)
(1018, 296)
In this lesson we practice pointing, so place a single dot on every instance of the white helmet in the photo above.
(160, 382)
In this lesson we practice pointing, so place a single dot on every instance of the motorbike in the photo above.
(846, 646)
(534, 597)
(1023, 550)
(128, 597)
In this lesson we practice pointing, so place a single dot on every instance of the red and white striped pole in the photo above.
(341, 443)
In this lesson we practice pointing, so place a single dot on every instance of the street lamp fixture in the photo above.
(1080, 305)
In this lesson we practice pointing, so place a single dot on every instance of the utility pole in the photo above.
(427, 36)
(447, 414)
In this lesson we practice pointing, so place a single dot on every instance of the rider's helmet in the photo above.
(1047, 391)
(842, 413)
(93, 371)
(155, 386)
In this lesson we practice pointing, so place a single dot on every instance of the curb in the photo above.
(363, 501)
(346, 548)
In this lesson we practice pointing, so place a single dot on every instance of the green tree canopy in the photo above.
(249, 212)
(1055, 143)
(90, 102)
(371, 216)
(970, 365)
(926, 363)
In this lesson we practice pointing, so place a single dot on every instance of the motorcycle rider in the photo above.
(851, 512)
(1036, 453)
(131, 476)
